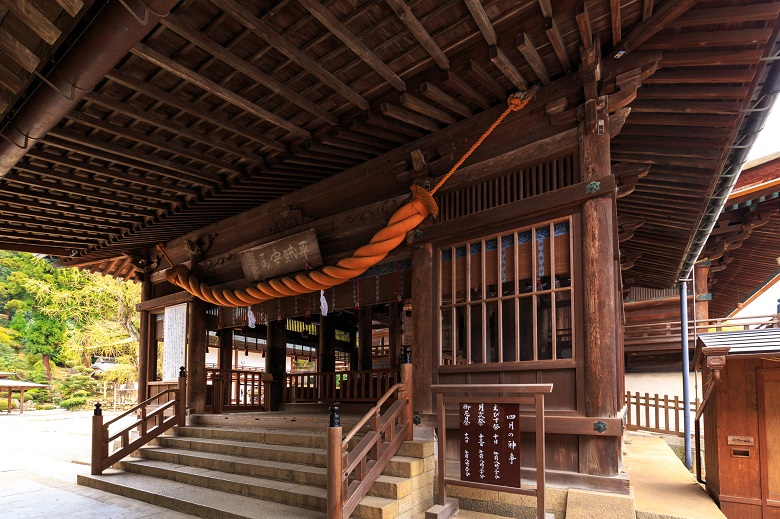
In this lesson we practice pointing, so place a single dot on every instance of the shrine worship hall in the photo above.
(384, 245)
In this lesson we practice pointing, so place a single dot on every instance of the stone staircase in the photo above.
(261, 472)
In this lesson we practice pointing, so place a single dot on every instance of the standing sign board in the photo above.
(174, 340)
(489, 434)
(490, 443)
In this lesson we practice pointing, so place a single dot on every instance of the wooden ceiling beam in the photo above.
(583, 25)
(695, 92)
(712, 58)
(34, 249)
(188, 32)
(21, 211)
(393, 125)
(505, 65)
(129, 206)
(264, 31)
(316, 147)
(466, 90)
(408, 117)
(216, 89)
(382, 133)
(35, 225)
(647, 9)
(689, 76)
(111, 173)
(28, 14)
(371, 140)
(419, 32)
(668, 12)
(483, 21)
(50, 173)
(71, 6)
(45, 237)
(697, 107)
(192, 108)
(690, 120)
(69, 139)
(554, 35)
(527, 48)
(346, 36)
(151, 140)
(722, 38)
(435, 94)
(18, 52)
(423, 108)
(159, 122)
(56, 211)
(486, 80)
(330, 140)
(736, 14)
(657, 129)
(614, 12)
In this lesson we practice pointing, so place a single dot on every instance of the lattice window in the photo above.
(513, 296)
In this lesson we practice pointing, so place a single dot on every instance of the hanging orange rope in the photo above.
(406, 218)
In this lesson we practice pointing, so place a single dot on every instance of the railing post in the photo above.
(406, 380)
(335, 469)
(97, 440)
(181, 397)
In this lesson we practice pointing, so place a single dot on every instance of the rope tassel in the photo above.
(405, 218)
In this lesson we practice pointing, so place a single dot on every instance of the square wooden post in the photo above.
(422, 326)
(335, 469)
(97, 441)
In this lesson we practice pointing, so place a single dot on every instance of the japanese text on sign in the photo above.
(490, 443)
(291, 254)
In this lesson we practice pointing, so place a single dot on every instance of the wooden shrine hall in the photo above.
(250, 164)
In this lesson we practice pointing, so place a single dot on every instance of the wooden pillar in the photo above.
(700, 274)
(354, 357)
(422, 327)
(365, 338)
(226, 349)
(601, 453)
(327, 350)
(145, 339)
(394, 346)
(197, 339)
(276, 361)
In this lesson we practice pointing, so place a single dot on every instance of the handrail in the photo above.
(351, 474)
(101, 437)
(371, 413)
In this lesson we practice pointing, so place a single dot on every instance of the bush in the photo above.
(4, 404)
(78, 383)
(45, 407)
(75, 403)
(39, 396)
(81, 393)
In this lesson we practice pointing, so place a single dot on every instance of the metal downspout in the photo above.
(685, 370)
(730, 173)
(109, 37)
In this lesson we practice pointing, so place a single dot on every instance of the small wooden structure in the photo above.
(16, 385)
(741, 421)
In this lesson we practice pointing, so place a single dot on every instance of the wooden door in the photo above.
(769, 435)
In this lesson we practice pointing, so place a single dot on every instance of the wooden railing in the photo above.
(342, 386)
(351, 474)
(148, 420)
(239, 390)
(666, 335)
(661, 414)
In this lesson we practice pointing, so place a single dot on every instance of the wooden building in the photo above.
(212, 128)
(741, 421)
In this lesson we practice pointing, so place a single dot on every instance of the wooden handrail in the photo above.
(370, 457)
(102, 438)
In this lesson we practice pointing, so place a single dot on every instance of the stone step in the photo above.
(258, 451)
(283, 492)
(316, 440)
(389, 487)
(301, 502)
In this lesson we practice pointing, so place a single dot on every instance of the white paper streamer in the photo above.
(323, 304)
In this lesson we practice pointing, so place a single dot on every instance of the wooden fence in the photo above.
(657, 413)
(342, 386)
(238, 390)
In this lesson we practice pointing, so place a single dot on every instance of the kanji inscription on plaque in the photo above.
(290, 254)
(490, 443)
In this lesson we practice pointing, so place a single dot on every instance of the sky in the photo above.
(767, 143)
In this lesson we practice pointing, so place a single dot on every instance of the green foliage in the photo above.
(38, 395)
(4, 404)
(45, 407)
(10, 360)
(77, 383)
(75, 403)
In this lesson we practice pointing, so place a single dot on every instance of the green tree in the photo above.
(44, 336)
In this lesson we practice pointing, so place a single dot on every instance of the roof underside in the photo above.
(227, 105)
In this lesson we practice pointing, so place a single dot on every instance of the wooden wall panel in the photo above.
(741, 511)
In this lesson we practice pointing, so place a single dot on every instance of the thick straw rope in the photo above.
(406, 218)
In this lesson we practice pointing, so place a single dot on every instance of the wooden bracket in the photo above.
(627, 175)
